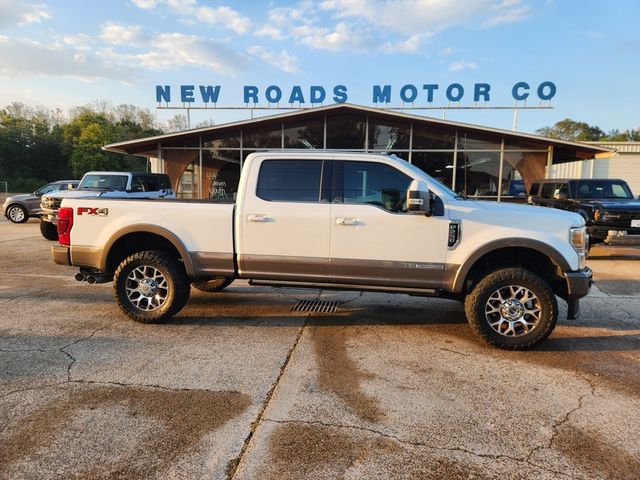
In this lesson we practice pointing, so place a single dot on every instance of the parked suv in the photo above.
(18, 208)
(107, 185)
(611, 212)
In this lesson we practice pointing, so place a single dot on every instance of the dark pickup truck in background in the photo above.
(611, 212)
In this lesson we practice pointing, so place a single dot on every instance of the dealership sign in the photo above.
(380, 94)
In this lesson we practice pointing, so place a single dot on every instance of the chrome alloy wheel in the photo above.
(16, 214)
(513, 310)
(146, 288)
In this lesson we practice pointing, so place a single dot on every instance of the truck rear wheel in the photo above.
(215, 284)
(151, 286)
(512, 308)
(49, 230)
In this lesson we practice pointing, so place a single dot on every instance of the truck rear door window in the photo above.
(290, 180)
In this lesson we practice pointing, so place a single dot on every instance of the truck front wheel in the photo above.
(49, 230)
(512, 308)
(216, 284)
(151, 286)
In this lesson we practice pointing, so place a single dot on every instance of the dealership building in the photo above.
(480, 161)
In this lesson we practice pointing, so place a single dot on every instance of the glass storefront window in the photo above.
(530, 165)
(269, 136)
(222, 139)
(175, 164)
(306, 134)
(386, 135)
(346, 131)
(427, 137)
(437, 164)
(478, 141)
(189, 184)
(220, 174)
(477, 174)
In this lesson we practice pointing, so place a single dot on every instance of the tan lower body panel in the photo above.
(347, 271)
(86, 256)
(208, 264)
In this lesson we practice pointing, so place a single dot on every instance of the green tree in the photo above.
(571, 130)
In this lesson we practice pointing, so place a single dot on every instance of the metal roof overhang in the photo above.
(148, 147)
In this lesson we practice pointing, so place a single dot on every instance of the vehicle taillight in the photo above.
(65, 222)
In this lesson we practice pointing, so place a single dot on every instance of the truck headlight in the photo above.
(580, 242)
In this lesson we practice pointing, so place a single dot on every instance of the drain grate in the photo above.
(321, 306)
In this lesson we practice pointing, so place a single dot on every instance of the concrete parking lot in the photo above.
(240, 386)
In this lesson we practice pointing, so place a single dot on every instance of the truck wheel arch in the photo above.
(112, 252)
(455, 278)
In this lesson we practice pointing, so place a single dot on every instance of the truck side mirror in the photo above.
(419, 198)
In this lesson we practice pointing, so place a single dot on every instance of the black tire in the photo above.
(486, 303)
(175, 292)
(17, 213)
(49, 230)
(216, 284)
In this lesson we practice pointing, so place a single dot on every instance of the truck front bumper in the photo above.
(61, 254)
(578, 286)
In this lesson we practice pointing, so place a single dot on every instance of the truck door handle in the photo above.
(346, 221)
(252, 217)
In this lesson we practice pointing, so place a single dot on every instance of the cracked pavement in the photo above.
(239, 386)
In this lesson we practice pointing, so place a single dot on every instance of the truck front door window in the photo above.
(371, 183)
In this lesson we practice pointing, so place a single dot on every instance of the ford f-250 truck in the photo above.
(337, 221)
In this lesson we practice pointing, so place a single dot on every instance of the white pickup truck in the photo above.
(336, 221)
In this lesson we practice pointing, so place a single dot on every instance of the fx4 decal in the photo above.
(101, 212)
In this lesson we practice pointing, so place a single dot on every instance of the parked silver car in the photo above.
(18, 208)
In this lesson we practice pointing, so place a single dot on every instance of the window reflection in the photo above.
(437, 164)
(222, 139)
(478, 141)
(307, 134)
(221, 174)
(269, 136)
(386, 135)
(346, 131)
(478, 173)
(428, 137)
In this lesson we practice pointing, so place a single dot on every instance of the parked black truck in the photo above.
(611, 212)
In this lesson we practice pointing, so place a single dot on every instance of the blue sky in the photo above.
(67, 53)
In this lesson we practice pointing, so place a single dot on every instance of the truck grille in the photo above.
(51, 203)
(621, 219)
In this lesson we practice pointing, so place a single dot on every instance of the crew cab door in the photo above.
(284, 223)
(374, 241)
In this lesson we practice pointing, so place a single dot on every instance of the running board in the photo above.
(421, 292)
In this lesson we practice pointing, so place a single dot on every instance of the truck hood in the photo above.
(523, 216)
(77, 193)
(614, 203)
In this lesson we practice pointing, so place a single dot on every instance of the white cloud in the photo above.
(192, 13)
(227, 17)
(171, 51)
(342, 37)
(145, 4)
(271, 32)
(13, 12)
(119, 34)
(79, 41)
(445, 52)
(282, 60)
(284, 16)
(410, 45)
(462, 65)
(422, 16)
(21, 58)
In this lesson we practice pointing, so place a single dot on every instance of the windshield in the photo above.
(104, 182)
(421, 173)
(52, 187)
(603, 189)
